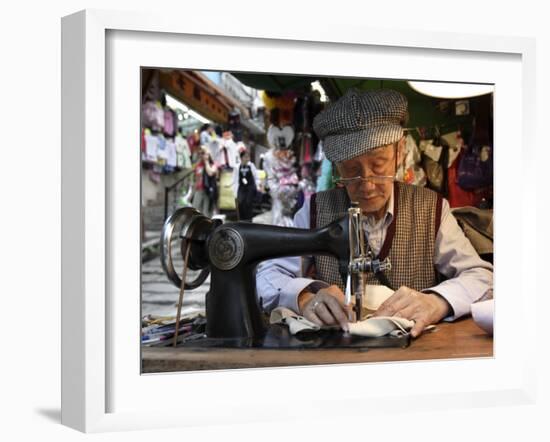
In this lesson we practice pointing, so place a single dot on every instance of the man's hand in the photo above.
(422, 308)
(326, 307)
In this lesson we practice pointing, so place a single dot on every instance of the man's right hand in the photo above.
(326, 307)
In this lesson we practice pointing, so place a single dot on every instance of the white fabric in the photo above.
(171, 154)
(456, 143)
(295, 322)
(375, 327)
(205, 138)
(162, 153)
(372, 327)
(431, 151)
(183, 152)
(214, 147)
(233, 158)
(483, 315)
(375, 295)
(282, 180)
(151, 147)
(411, 171)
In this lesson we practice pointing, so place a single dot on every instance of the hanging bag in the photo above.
(435, 158)
(226, 197)
(475, 169)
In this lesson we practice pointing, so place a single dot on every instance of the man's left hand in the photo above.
(422, 308)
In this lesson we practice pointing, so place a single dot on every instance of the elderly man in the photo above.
(436, 273)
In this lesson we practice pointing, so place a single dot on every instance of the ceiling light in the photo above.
(316, 86)
(451, 90)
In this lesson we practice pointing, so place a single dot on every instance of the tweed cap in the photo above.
(361, 121)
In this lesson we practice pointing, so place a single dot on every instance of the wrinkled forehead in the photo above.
(382, 153)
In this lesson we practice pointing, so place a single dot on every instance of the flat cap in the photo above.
(361, 121)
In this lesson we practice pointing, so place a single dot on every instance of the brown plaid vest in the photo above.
(409, 242)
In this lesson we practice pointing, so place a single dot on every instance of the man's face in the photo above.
(372, 196)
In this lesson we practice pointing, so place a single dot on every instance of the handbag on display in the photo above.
(435, 156)
(411, 172)
(475, 169)
(226, 199)
(458, 197)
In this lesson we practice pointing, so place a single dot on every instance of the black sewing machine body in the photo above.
(232, 252)
(232, 308)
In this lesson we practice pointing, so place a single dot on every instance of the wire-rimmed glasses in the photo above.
(374, 179)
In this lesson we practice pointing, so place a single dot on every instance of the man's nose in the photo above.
(367, 185)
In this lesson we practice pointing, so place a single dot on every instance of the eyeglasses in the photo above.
(374, 179)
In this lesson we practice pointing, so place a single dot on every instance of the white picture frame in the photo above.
(94, 313)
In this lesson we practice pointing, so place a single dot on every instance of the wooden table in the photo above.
(461, 339)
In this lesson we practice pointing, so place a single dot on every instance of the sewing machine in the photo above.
(231, 252)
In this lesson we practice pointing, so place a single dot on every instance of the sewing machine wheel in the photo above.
(186, 227)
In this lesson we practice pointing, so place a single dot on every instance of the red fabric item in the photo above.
(193, 143)
(199, 170)
(307, 149)
(458, 197)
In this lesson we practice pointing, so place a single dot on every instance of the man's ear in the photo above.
(338, 170)
(401, 150)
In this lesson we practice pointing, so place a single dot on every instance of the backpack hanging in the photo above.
(475, 169)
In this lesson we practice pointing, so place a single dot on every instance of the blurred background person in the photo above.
(245, 186)
(206, 188)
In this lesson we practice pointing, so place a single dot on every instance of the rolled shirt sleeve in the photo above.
(470, 277)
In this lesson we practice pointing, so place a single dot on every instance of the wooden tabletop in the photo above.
(460, 339)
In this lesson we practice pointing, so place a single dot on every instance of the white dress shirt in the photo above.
(279, 281)
(232, 160)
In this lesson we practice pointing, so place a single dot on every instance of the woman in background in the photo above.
(206, 189)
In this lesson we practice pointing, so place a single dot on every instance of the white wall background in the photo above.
(30, 220)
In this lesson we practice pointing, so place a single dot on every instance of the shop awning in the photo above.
(201, 94)
(423, 110)
(276, 83)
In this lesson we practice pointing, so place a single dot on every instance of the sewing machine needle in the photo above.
(347, 296)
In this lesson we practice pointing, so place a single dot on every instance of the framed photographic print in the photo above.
(220, 148)
(149, 113)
